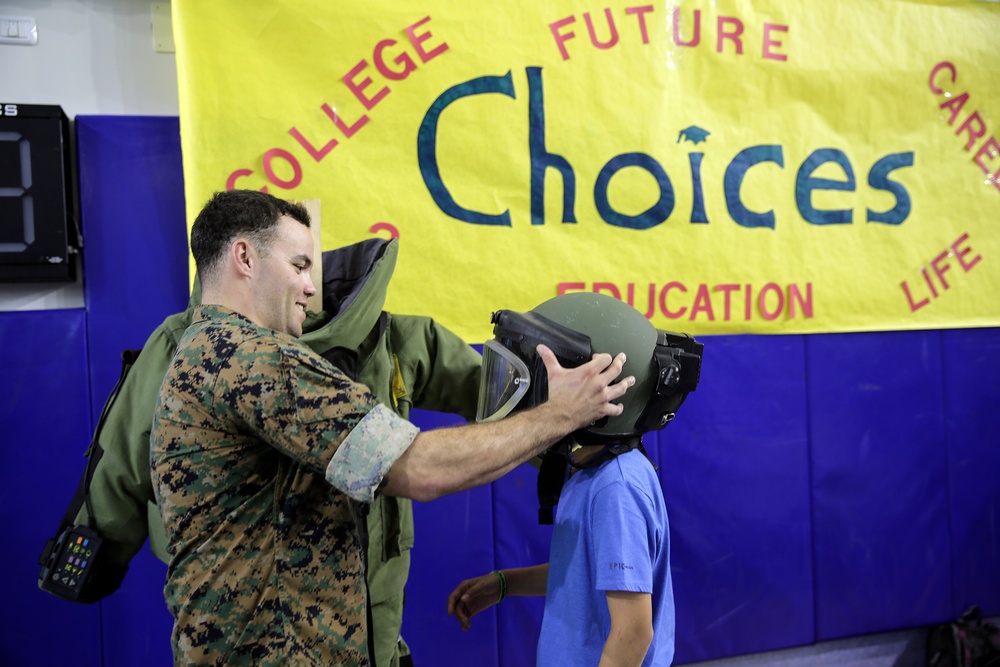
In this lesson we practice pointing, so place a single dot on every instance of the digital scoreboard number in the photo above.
(36, 194)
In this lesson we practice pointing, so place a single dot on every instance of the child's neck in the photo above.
(585, 453)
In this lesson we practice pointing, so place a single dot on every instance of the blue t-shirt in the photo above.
(610, 534)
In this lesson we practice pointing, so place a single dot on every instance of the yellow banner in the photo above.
(726, 167)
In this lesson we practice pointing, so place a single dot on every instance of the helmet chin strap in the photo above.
(556, 460)
(551, 477)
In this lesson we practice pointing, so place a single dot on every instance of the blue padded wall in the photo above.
(880, 507)
(972, 430)
(135, 250)
(44, 428)
(734, 469)
(818, 486)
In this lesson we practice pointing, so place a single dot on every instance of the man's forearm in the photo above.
(453, 459)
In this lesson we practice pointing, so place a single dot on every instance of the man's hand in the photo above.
(582, 395)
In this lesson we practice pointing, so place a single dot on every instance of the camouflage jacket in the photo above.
(406, 361)
(256, 444)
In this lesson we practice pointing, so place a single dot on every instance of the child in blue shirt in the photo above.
(607, 585)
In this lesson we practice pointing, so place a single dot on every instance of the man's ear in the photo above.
(242, 255)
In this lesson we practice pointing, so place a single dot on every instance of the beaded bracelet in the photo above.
(503, 585)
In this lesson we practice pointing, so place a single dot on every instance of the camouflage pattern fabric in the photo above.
(357, 468)
(265, 562)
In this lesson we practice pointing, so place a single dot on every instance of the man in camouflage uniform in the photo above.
(261, 452)
(406, 361)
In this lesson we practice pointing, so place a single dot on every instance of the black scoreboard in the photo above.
(37, 222)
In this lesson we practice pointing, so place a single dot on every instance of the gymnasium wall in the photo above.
(818, 486)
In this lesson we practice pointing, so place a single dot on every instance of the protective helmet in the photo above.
(666, 365)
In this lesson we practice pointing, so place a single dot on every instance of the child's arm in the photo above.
(631, 629)
(474, 595)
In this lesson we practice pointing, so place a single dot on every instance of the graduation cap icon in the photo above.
(694, 134)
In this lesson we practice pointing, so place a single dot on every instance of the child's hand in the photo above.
(472, 596)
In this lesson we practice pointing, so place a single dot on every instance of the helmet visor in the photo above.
(505, 380)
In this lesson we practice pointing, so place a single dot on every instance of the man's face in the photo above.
(283, 283)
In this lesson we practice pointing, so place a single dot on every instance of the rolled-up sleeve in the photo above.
(369, 451)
